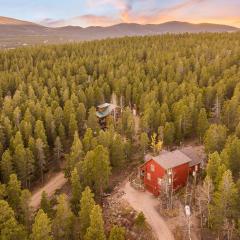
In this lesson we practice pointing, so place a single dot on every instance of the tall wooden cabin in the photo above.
(169, 168)
(104, 111)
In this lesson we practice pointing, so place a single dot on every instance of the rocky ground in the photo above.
(117, 211)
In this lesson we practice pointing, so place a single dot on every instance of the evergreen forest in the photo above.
(183, 87)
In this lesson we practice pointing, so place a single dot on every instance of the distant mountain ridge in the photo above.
(13, 21)
(14, 32)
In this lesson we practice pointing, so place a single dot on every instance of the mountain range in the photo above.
(14, 32)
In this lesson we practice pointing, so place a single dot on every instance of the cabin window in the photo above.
(159, 181)
(152, 167)
(148, 176)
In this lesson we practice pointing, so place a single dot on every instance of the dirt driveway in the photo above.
(54, 183)
(146, 202)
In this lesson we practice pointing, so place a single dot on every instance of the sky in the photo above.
(55, 13)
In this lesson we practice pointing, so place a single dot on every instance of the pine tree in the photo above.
(63, 221)
(62, 132)
(41, 157)
(96, 229)
(26, 130)
(3, 191)
(168, 133)
(21, 163)
(231, 154)
(214, 163)
(25, 209)
(182, 119)
(117, 233)
(117, 152)
(1, 149)
(86, 205)
(72, 126)
(81, 116)
(128, 123)
(58, 150)
(130, 127)
(96, 169)
(45, 204)
(76, 190)
(17, 140)
(68, 110)
(144, 141)
(30, 166)
(74, 156)
(237, 130)
(202, 124)
(50, 126)
(6, 166)
(14, 192)
(41, 228)
(230, 114)
(225, 201)
(9, 227)
(215, 138)
(87, 140)
(92, 121)
(8, 130)
(39, 132)
(140, 219)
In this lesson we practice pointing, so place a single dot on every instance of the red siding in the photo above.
(180, 175)
(152, 185)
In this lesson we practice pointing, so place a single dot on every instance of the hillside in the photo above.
(13, 21)
(14, 33)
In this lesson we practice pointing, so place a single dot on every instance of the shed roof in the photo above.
(169, 160)
(193, 154)
(109, 108)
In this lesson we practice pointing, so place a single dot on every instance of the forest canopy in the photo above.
(182, 86)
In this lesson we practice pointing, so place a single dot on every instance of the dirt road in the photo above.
(54, 183)
(146, 202)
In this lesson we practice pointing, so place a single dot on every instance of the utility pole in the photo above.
(188, 214)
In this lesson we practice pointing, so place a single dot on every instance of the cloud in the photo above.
(84, 20)
(127, 14)
(118, 4)
(124, 7)
(49, 22)
(159, 15)
(94, 20)
(149, 12)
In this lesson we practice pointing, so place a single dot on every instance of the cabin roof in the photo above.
(196, 155)
(109, 108)
(169, 160)
(176, 158)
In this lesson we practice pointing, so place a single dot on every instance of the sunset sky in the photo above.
(108, 12)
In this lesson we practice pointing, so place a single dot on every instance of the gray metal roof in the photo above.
(169, 160)
(196, 156)
(109, 108)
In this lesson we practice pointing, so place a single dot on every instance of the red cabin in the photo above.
(169, 168)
